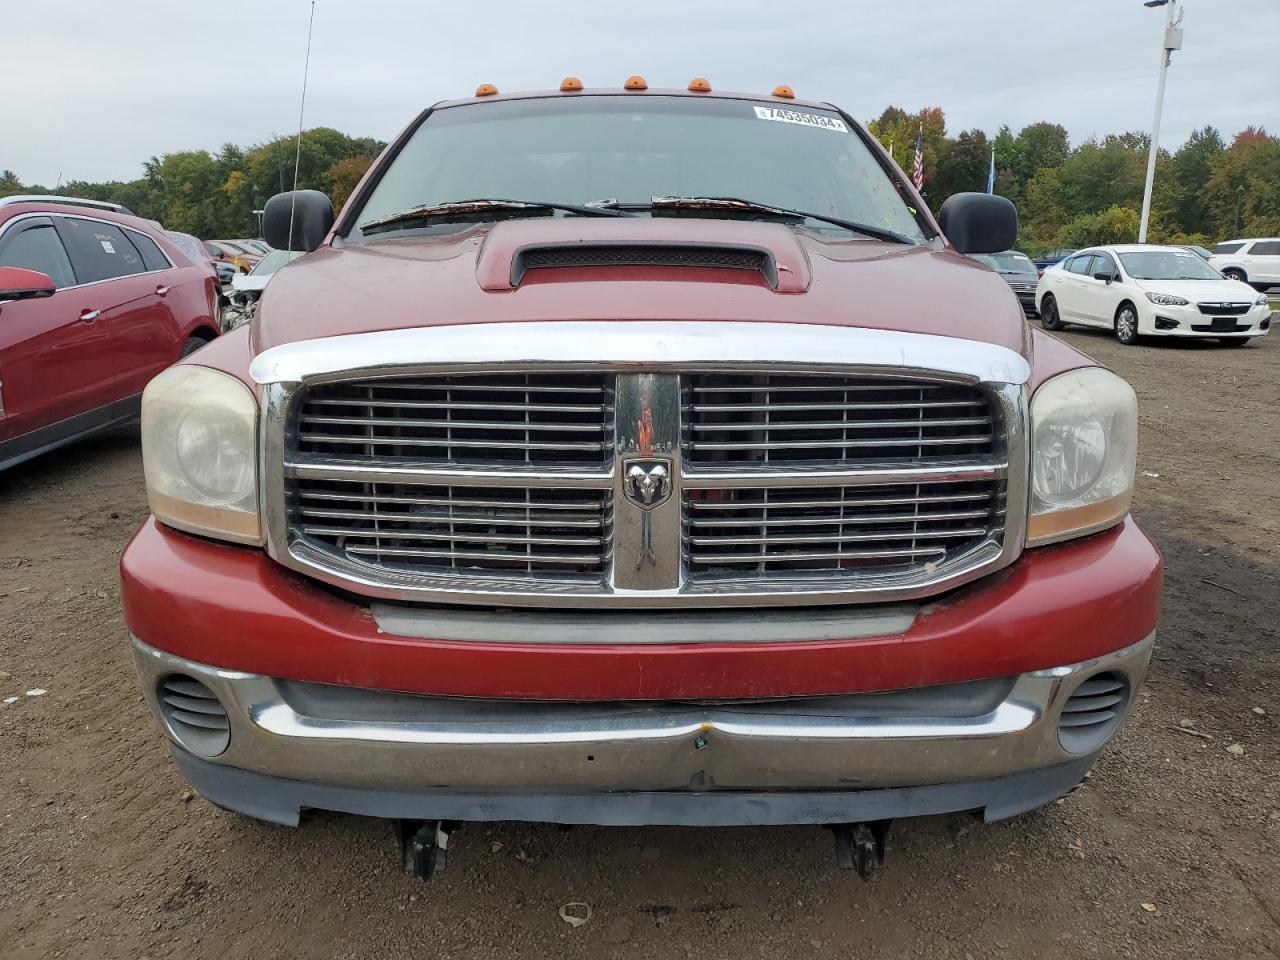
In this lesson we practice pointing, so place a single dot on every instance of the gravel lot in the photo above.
(1172, 849)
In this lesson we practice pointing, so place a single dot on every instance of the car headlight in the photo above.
(199, 453)
(1262, 301)
(1084, 446)
(1167, 300)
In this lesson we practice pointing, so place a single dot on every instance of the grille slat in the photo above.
(865, 530)
(498, 419)
(842, 444)
(464, 531)
(775, 425)
(745, 419)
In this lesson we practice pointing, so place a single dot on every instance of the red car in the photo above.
(94, 302)
(639, 456)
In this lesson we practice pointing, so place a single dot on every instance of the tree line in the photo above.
(1207, 190)
(214, 196)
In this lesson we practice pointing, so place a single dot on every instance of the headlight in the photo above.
(1084, 442)
(199, 453)
(1165, 300)
(1262, 301)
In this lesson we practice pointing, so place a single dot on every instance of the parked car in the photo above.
(638, 487)
(246, 288)
(1142, 290)
(241, 259)
(1255, 262)
(1018, 271)
(94, 302)
(198, 253)
(254, 246)
(1052, 257)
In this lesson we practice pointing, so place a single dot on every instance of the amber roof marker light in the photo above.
(699, 85)
(782, 90)
(486, 90)
(570, 85)
(635, 83)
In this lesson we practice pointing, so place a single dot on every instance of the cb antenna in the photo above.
(297, 157)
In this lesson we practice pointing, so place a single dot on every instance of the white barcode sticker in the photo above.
(107, 247)
(783, 115)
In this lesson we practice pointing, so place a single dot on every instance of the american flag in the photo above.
(917, 176)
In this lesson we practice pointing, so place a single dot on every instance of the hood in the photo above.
(250, 282)
(1202, 291)
(619, 269)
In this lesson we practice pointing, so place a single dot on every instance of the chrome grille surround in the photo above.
(647, 556)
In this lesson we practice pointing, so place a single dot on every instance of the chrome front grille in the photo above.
(841, 531)
(628, 482)
(744, 418)
(458, 531)
(531, 419)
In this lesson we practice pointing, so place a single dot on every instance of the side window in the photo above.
(152, 258)
(38, 248)
(1266, 248)
(1102, 263)
(100, 251)
(1079, 264)
(1224, 248)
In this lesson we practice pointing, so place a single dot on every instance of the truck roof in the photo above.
(647, 92)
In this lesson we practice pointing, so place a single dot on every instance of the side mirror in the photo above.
(1104, 276)
(979, 222)
(18, 283)
(310, 212)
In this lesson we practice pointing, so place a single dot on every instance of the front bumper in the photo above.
(1154, 320)
(992, 746)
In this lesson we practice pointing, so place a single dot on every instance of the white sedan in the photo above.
(1140, 290)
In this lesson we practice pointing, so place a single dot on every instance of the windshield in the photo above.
(1008, 262)
(273, 261)
(1167, 265)
(631, 149)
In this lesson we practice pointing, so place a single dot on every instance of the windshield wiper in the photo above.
(483, 205)
(753, 206)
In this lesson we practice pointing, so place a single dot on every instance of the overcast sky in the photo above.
(89, 90)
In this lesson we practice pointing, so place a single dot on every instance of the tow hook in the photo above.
(424, 846)
(860, 846)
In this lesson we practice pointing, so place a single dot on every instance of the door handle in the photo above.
(88, 316)
(161, 291)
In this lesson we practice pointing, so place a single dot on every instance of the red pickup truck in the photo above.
(94, 302)
(634, 456)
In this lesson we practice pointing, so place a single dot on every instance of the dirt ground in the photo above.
(1171, 849)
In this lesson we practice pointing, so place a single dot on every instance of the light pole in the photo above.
(1239, 197)
(1172, 41)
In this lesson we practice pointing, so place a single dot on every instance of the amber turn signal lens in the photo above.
(486, 90)
(782, 90)
(1048, 527)
(699, 85)
(635, 83)
(570, 85)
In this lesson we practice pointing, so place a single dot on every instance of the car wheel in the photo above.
(1127, 325)
(1233, 341)
(192, 345)
(1235, 273)
(1049, 318)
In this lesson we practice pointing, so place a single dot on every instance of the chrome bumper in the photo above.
(775, 747)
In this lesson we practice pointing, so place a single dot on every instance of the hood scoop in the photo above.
(514, 249)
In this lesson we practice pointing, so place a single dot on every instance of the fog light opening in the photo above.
(194, 715)
(1092, 712)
